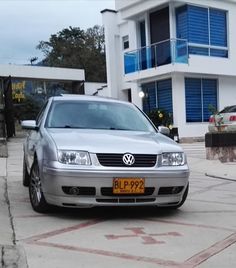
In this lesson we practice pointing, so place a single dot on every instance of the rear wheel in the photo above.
(37, 198)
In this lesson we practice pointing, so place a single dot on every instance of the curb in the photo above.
(12, 256)
(220, 178)
(3, 149)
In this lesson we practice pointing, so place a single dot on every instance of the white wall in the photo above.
(227, 91)
(226, 97)
(37, 72)
(112, 46)
(90, 88)
(125, 23)
(179, 110)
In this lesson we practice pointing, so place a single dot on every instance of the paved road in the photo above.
(200, 234)
(195, 150)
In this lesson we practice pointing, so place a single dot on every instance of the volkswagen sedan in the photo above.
(85, 151)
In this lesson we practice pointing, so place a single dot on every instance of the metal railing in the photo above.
(158, 54)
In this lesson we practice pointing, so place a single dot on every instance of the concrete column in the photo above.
(178, 98)
(112, 41)
(135, 89)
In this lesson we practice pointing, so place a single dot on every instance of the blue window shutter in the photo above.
(152, 97)
(207, 26)
(209, 89)
(149, 101)
(219, 53)
(164, 95)
(218, 28)
(182, 22)
(198, 25)
(198, 50)
(193, 100)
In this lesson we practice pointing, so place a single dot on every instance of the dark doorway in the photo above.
(143, 52)
(160, 35)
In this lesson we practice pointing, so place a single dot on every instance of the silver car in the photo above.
(224, 121)
(85, 151)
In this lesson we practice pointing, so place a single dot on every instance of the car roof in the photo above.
(229, 109)
(72, 97)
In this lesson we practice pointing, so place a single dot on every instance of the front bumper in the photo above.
(95, 180)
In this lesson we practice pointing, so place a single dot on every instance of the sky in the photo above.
(24, 23)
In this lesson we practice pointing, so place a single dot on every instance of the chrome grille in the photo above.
(115, 160)
(108, 191)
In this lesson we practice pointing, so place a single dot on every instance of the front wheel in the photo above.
(36, 195)
(26, 175)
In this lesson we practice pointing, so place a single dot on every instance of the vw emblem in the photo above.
(128, 159)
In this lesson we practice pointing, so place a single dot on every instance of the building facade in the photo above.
(180, 54)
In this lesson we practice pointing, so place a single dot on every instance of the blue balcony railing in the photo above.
(165, 52)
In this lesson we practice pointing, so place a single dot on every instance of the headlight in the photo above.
(173, 159)
(74, 157)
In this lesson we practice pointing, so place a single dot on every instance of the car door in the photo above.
(33, 138)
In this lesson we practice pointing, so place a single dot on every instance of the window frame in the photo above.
(125, 42)
(200, 48)
(157, 91)
(203, 97)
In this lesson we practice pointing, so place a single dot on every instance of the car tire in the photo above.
(26, 175)
(36, 195)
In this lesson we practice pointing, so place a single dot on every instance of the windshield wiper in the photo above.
(116, 128)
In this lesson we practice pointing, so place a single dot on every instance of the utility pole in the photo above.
(2, 120)
(3, 142)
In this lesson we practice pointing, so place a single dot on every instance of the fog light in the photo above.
(74, 191)
(176, 190)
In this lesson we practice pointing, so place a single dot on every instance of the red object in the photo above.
(232, 118)
(211, 119)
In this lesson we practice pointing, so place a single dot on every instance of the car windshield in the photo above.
(97, 115)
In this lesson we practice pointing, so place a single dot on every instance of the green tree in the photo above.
(160, 117)
(75, 48)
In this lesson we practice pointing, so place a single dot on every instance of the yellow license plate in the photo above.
(128, 185)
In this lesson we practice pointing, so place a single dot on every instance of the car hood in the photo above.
(112, 141)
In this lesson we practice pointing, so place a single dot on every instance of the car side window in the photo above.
(229, 109)
(40, 115)
(233, 109)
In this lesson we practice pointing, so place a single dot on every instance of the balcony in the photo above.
(162, 53)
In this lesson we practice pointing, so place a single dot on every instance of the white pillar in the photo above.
(178, 98)
(135, 89)
(112, 43)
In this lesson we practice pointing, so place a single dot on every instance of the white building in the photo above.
(181, 54)
(44, 75)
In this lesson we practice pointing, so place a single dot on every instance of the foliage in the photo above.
(76, 48)
(27, 110)
(217, 117)
(160, 117)
(212, 109)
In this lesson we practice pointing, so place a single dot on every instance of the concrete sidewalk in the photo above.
(12, 255)
(196, 155)
(213, 168)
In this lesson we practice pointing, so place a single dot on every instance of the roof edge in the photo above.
(108, 10)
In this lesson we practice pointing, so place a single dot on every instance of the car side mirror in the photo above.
(164, 130)
(29, 125)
